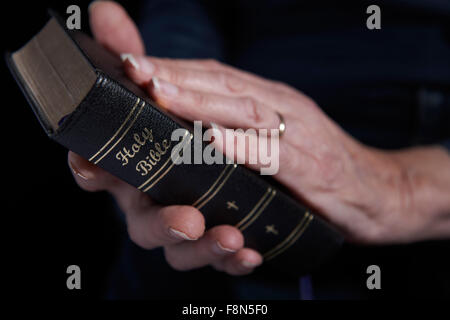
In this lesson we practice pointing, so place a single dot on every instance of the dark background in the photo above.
(49, 223)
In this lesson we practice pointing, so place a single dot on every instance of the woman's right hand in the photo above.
(179, 229)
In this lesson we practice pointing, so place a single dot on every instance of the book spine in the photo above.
(129, 137)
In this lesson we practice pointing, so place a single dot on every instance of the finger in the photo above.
(138, 68)
(208, 65)
(93, 178)
(89, 176)
(217, 243)
(113, 28)
(195, 79)
(216, 67)
(141, 69)
(149, 225)
(161, 226)
(242, 262)
(234, 112)
(266, 153)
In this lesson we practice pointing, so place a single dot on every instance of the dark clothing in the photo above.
(389, 88)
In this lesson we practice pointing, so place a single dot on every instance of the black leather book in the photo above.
(85, 102)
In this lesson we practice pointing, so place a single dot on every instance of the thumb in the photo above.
(114, 29)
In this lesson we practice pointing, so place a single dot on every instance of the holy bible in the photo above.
(83, 100)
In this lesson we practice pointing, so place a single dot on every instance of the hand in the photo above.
(372, 196)
(179, 229)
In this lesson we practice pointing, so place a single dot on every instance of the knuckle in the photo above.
(200, 100)
(232, 83)
(136, 237)
(251, 110)
(212, 64)
(136, 201)
(282, 87)
(176, 76)
(174, 261)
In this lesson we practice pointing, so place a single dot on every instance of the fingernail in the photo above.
(155, 83)
(128, 56)
(77, 171)
(180, 235)
(220, 249)
(164, 87)
(249, 264)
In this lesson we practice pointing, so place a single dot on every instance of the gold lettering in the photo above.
(144, 166)
(124, 155)
(120, 156)
(160, 150)
(150, 160)
(138, 139)
(153, 157)
(135, 147)
(147, 135)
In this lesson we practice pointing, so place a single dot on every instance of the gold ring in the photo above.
(282, 125)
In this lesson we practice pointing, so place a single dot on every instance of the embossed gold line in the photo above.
(118, 130)
(123, 134)
(288, 238)
(153, 176)
(218, 188)
(288, 243)
(171, 166)
(162, 167)
(250, 214)
(212, 186)
(260, 210)
(299, 234)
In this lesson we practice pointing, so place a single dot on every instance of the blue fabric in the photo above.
(446, 144)
(306, 288)
(388, 88)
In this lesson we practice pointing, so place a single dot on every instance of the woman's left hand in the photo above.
(368, 194)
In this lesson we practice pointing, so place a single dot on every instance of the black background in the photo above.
(49, 223)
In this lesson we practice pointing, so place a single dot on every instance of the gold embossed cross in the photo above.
(271, 229)
(232, 205)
